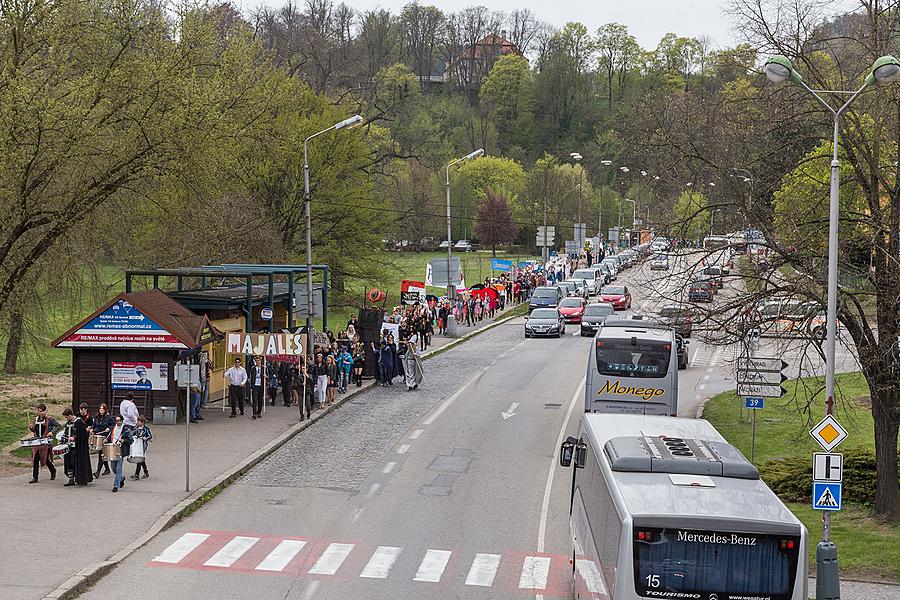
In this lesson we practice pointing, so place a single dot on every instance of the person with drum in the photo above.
(42, 428)
(80, 455)
(102, 423)
(117, 448)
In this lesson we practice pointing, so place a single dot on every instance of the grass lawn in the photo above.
(866, 548)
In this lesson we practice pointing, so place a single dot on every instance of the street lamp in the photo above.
(885, 70)
(469, 156)
(577, 158)
(605, 163)
(345, 124)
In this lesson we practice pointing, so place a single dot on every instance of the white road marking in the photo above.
(373, 489)
(511, 411)
(388, 467)
(701, 387)
(446, 403)
(311, 590)
(707, 377)
(231, 552)
(403, 449)
(181, 547)
(415, 434)
(283, 554)
(381, 562)
(535, 570)
(332, 559)
(483, 570)
(591, 575)
(545, 506)
(433, 565)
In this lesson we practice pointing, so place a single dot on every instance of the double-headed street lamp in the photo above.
(884, 70)
(345, 124)
(470, 156)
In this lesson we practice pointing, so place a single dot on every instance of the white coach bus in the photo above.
(632, 368)
(665, 508)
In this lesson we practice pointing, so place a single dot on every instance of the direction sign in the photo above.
(752, 402)
(747, 363)
(826, 496)
(828, 467)
(829, 433)
(761, 377)
(766, 391)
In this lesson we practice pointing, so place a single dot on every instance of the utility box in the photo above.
(164, 415)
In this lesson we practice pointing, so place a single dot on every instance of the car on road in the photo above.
(611, 264)
(545, 297)
(443, 245)
(568, 288)
(581, 289)
(594, 316)
(678, 317)
(681, 348)
(660, 262)
(464, 245)
(714, 276)
(700, 291)
(572, 309)
(592, 277)
(617, 295)
(659, 244)
(545, 322)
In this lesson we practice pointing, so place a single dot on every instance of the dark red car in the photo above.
(572, 309)
(617, 295)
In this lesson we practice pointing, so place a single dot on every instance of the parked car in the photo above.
(594, 316)
(714, 276)
(592, 277)
(581, 288)
(617, 295)
(700, 291)
(463, 245)
(568, 288)
(443, 245)
(572, 309)
(611, 263)
(545, 297)
(547, 322)
(678, 317)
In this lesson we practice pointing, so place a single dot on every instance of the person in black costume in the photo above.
(81, 463)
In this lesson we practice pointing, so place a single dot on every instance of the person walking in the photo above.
(286, 377)
(142, 435)
(129, 411)
(102, 423)
(320, 373)
(80, 461)
(331, 369)
(237, 379)
(272, 379)
(359, 360)
(120, 435)
(257, 379)
(42, 427)
(345, 366)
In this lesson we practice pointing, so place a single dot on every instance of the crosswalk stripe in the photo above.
(332, 559)
(483, 570)
(381, 562)
(433, 565)
(181, 547)
(535, 570)
(283, 554)
(591, 575)
(231, 552)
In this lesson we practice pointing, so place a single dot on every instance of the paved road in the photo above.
(446, 492)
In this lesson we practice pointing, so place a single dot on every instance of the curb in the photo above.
(90, 575)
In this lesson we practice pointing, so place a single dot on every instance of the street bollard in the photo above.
(828, 584)
(451, 326)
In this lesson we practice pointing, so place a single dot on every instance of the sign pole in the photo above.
(753, 437)
(187, 431)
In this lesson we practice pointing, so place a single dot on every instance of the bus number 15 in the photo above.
(652, 581)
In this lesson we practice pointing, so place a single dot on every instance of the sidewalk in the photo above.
(52, 532)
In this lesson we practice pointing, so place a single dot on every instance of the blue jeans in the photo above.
(195, 405)
(204, 395)
(117, 467)
(343, 380)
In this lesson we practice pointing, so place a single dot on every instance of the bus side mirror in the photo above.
(580, 454)
(566, 451)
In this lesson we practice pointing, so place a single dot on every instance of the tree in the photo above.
(691, 216)
(508, 90)
(474, 178)
(495, 224)
(618, 53)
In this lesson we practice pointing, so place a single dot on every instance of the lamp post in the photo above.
(884, 70)
(471, 155)
(577, 158)
(346, 123)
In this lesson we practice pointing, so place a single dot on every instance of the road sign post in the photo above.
(827, 496)
(753, 404)
(758, 378)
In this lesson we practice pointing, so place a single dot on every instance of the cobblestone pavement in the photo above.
(363, 429)
(857, 590)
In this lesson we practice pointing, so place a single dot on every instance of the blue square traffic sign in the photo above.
(752, 402)
(826, 496)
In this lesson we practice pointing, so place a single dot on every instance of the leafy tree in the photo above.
(508, 90)
(691, 216)
(618, 54)
(475, 178)
(495, 224)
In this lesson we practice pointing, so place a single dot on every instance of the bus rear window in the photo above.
(678, 563)
(621, 358)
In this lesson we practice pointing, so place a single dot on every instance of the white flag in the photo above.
(461, 286)
(428, 276)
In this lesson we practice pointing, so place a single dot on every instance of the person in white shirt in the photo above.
(129, 411)
(237, 379)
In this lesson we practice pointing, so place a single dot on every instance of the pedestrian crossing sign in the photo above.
(826, 496)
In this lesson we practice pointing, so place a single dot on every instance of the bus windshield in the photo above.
(621, 358)
(677, 563)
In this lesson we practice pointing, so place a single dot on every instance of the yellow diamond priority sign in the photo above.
(829, 433)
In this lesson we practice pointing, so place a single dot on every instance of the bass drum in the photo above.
(137, 451)
(95, 442)
(112, 452)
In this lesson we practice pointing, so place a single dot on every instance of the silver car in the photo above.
(545, 322)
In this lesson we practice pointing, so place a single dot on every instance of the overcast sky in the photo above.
(648, 20)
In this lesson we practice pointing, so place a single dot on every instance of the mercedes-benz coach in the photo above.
(633, 368)
(665, 508)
